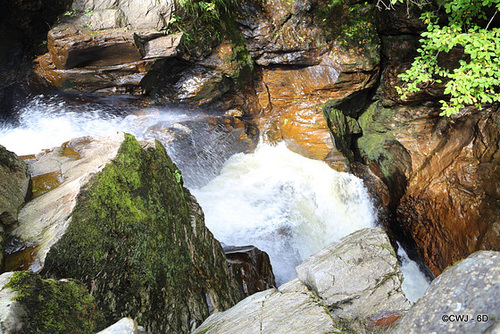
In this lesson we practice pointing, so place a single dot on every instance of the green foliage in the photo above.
(354, 23)
(201, 21)
(476, 79)
(54, 306)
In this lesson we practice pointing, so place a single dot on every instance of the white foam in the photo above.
(415, 283)
(285, 204)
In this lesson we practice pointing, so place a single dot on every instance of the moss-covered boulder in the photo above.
(120, 221)
(30, 304)
(137, 239)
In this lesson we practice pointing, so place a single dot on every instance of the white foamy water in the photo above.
(415, 283)
(285, 204)
(47, 123)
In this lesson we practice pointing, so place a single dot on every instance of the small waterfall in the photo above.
(279, 201)
(285, 204)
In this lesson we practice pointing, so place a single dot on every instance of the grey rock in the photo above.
(358, 278)
(290, 309)
(162, 47)
(11, 312)
(469, 289)
(14, 182)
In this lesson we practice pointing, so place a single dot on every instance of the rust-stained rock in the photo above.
(251, 268)
(71, 46)
(451, 207)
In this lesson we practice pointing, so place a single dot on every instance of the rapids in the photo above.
(283, 203)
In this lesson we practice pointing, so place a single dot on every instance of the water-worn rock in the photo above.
(358, 278)
(464, 299)
(202, 146)
(109, 49)
(290, 309)
(251, 268)
(302, 65)
(122, 223)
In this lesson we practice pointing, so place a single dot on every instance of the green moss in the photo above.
(55, 306)
(129, 241)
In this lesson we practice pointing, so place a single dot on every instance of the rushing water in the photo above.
(279, 201)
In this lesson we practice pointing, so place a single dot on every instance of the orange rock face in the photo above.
(451, 206)
(292, 98)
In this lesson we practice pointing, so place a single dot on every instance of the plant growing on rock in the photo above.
(468, 28)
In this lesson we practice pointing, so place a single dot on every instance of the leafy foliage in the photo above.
(476, 79)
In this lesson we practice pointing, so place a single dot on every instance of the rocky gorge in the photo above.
(108, 220)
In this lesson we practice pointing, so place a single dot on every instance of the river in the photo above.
(283, 203)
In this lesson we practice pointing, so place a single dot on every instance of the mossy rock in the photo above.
(55, 307)
(137, 239)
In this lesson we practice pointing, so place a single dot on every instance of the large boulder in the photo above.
(108, 46)
(358, 279)
(290, 309)
(123, 224)
(14, 185)
(463, 299)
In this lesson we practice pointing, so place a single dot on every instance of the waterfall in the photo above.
(283, 203)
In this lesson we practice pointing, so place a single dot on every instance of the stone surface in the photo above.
(251, 268)
(470, 289)
(136, 13)
(162, 47)
(290, 309)
(14, 183)
(11, 312)
(123, 326)
(44, 219)
(358, 278)
(124, 225)
(107, 49)
(202, 146)
(302, 65)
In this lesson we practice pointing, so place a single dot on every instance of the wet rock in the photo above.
(290, 309)
(202, 146)
(124, 225)
(469, 289)
(358, 279)
(450, 207)
(107, 49)
(14, 183)
(124, 326)
(251, 268)
(302, 66)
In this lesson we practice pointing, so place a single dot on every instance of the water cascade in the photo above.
(279, 201)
